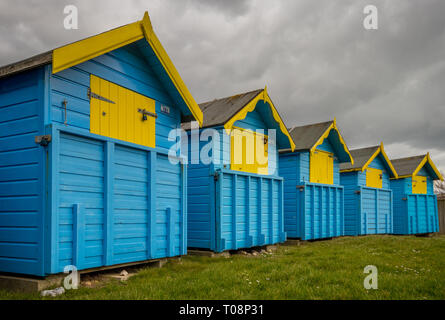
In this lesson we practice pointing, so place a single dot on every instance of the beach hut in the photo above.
(236, 199)
(313, 196)
(85, 177)
(415, 204)
(368, 196)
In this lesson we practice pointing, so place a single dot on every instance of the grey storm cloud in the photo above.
(315, 57)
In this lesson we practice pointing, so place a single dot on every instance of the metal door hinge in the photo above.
(358, 191)
(43, 140)
(92, 95)
(216, 176)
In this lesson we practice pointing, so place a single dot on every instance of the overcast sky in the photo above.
(315, 57)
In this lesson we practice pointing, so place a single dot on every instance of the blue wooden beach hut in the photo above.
(368, 196)
(313, 196)
(237, 204)
(85, 178)
(415, 204)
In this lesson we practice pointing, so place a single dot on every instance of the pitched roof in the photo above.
(26, 64)
(410, 166)
(305, 137)
(227, 111)
(361, 157)
(80, 51)
(407, 166)
(217, 112)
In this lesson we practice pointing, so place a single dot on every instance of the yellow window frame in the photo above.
(321, 167)
(127, 115)
(241, 141)
(419, 184)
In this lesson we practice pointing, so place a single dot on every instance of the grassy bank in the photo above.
(408, 268)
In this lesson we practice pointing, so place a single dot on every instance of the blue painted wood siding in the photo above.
(414, 213)
(108, 201)
(367, 210)
(311, 210)
(126, 67)
(113, 202)
(21, 173)
(238, 210)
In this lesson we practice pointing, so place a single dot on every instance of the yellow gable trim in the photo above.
(385, 156)
(333, 126)
(83, 50)
(166, 62)
(393, 170)
(251, 106)
(370, 159)
(423, 162)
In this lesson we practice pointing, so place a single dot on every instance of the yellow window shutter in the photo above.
(120, 113)
(419, 185)
(321, 167)
(246, 154)
(374, 178)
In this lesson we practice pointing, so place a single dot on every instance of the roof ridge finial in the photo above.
(146, 24)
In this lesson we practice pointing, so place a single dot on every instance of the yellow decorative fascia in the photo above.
(430, 162)
(333, 126)
(393, 170)
(240, 115)
(87, 49)
(80, 51)
(166, 62)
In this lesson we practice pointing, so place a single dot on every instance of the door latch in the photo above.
(43, 140)
(146, 113)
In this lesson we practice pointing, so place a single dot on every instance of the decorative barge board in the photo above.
(313, 196)
(415, 204)
(368, 196)
(234, 202)
(85, 177)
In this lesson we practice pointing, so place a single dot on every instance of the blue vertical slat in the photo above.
(78, 235)
(213, 204)
(234, 211)
(271, 211)
(183, 230)
(281, 233)
(301, 215)
(376, 204)
(151, 239)
(170, 232)
(260, 212)
(320, 213)
(248, 239)
(329, 212)
(108, 203)
(312, 234)
(220, 243)
(54, 196)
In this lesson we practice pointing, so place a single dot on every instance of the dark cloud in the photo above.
(315, 57)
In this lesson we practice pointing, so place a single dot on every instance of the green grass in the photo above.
(408, 268)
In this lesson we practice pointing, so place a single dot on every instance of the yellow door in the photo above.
(120, 113)
(374, 178)
(249, 151)
(321, 167)
(419, 185)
